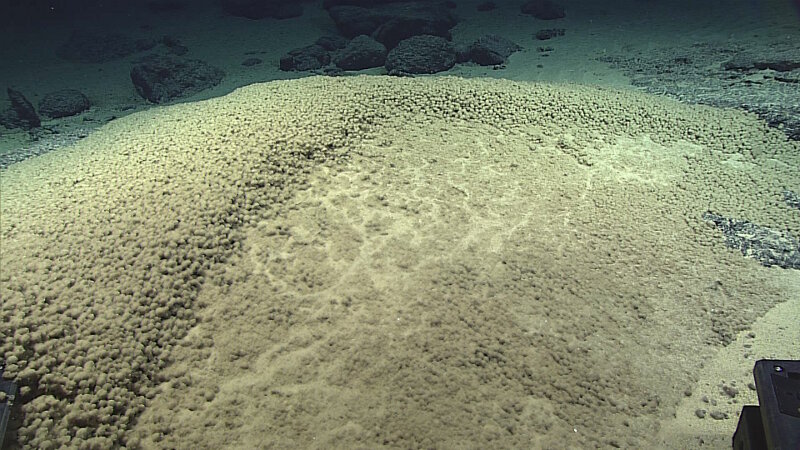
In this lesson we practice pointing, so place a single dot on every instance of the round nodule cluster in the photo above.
(106, 244)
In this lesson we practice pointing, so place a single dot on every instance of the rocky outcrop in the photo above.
(389, 24)
(421, 54)
(362, 52)
(160, 79)
(63, 103)
(491, 49)
(21, 114)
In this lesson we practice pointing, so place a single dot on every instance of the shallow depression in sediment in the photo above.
(370, 261)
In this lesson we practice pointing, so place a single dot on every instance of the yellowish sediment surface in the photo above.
(409, 263)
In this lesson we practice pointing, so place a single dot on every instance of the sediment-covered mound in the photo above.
(358, 262)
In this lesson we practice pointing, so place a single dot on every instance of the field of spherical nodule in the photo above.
(371, 261)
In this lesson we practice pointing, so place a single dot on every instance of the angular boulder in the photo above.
(420, 55)
(362, 52)
(491, 50)
(21, 114)
(391, 23)
(63, 103)
(311, 57)
(160, 79)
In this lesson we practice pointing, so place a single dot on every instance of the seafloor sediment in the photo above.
(368, 262)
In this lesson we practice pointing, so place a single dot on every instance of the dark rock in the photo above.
(549, 33)
(9, 119)
(491, 50)
(390, 24)
(332, 71)
(544, 9)
(748, 62)
(63, 103)
(250, 62)
(782, 115)
(354, 21)
(421, 54)
(332, 43)
(718, 415)
(730, 391)
(769, 247)
(260, 9)
(791, 199)
(463, 52)
(312, 57)
(24, 116)
(96, 48)
(684, 73)
(430, 21)
(486, 6)
(160, 79)
(362, 52)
